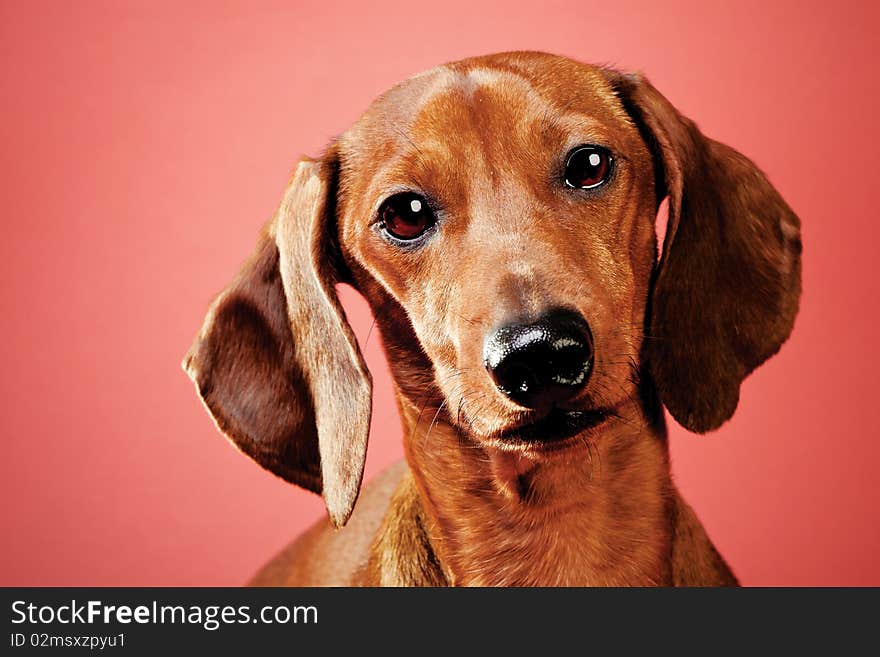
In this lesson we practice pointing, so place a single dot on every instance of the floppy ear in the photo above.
(726, 292)
(276, 363)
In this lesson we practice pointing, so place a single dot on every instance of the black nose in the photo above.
(542, 363)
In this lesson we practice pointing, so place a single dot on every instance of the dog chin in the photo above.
(558, 429)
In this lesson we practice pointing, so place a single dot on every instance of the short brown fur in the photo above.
(484, 139)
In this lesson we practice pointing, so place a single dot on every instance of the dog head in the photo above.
(499, 216)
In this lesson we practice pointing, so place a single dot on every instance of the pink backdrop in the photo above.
(143, 145)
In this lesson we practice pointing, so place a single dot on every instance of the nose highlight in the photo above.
(541, 363)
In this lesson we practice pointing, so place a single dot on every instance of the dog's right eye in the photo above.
(406, 216)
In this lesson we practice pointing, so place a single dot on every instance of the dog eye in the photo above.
(587, 167)
(406, 216)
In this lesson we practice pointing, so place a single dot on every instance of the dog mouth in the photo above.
(555, 427)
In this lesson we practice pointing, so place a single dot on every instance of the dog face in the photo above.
(498, 214)
(531, 244)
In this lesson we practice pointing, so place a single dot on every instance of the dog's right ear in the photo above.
(276, 363)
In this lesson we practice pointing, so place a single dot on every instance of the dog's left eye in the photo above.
(406, 216)
(587, 167)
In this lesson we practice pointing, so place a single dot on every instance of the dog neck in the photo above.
(597, 514)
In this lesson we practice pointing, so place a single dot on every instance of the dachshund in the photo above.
(499, 214)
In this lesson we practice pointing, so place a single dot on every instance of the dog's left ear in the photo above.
(276, 363)
(726, 293)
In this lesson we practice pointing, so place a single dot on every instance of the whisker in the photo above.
(400, 132)
(468, 320)
(369, 333)
(431, 426)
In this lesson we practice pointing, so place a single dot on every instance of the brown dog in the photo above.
(498, 215)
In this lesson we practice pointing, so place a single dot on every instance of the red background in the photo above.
(143, 145)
